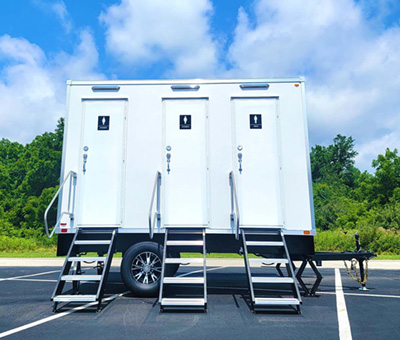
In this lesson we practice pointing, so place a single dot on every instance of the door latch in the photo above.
(168, 161)
(240, 162)
(85, 156)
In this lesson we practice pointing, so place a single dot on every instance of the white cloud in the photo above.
(20, 50)
(57, 8)
(60, 10)
(141, 33)
(82, 62)
(371, 150)
(352, 68)
(32, 85)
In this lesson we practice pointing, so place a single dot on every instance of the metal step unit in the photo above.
(266, 242)
(97, 240)
(185, 239)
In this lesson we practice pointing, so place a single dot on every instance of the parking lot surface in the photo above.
(25, 309)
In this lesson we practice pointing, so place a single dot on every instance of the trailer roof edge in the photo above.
(185, 81)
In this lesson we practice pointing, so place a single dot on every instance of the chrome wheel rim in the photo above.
(146, 268)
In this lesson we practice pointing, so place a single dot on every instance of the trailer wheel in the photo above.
(141, 268)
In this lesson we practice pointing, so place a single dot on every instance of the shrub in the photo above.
(375, 239)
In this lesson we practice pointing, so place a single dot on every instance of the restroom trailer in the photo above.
(156, 168)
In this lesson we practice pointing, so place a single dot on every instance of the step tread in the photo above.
(276, 301)
(267, 279)
(264, 243)
(261, 228)
(81, 278)
(89, 259)
(183, 260)
(183, 280)
(182, 302)
(92, 242)
(73, 298)
(268, 260)
(185, 231)
(261, 232)
(185, 243)
(102, 231)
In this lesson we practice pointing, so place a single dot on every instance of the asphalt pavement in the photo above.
(25, 309)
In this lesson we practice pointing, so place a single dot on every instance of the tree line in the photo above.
(29, 177)
(346, 200)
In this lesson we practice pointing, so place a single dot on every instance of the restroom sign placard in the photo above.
(103, 123)
(185, 122)
(255, 121)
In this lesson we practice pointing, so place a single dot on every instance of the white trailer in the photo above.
(151, 159)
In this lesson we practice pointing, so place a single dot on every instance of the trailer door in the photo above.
(101, 163)
(256, 161)
(185, 162)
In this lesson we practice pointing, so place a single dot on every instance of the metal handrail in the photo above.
(235, 214)
(72, 180)
(157, 214)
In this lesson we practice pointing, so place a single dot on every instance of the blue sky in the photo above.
(347, 50)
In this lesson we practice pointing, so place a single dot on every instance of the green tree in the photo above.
(387, 175)
(28, 174)
(334, 162)
(335, 178)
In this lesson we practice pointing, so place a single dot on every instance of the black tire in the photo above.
(138, 285)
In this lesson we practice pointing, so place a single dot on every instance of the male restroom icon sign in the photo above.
(255, 121)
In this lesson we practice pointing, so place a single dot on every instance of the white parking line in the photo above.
(34, 280)
(364, 295)
(374, 295)
(343, 318)
(56, 316)
(30, 275)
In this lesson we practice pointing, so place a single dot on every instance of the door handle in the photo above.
(168, 161)
(240, 156)
(85, 156)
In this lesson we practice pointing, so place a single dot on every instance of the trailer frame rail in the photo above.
(316, 260)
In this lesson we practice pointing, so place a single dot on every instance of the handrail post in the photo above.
(156, 191)
(46, 225)
(235, 215)
(158, 199)
(69, 192)
(230, 184)
(74, 175)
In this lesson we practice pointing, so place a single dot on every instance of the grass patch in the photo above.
(387, 257)
(30, 254)
(11, 244)
(378, 240)
(46, 253)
